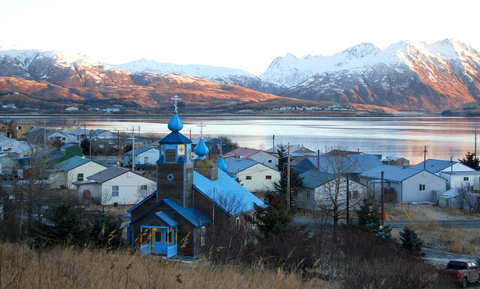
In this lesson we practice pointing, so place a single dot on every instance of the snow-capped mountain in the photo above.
(406, 75)
(69, 76)
(289, 70)
(213, 73)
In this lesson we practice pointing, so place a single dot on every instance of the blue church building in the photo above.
(191, 193)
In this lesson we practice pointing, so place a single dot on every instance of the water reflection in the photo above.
(403, 136)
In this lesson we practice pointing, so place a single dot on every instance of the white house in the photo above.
(319, 188)
(265, 158)
(103, 134)
(405, 184)
(143, 156)
(253, 176)
(74, 169)
(115, 186)
(458, 179)
(7, 144)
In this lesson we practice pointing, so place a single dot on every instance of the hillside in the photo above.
(61, 76)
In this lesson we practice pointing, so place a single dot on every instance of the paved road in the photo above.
(401, 224)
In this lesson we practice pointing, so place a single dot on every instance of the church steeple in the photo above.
(174, 165)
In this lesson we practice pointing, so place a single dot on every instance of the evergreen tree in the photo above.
(282, 159)
(410, 240)
(272, 220)
(106, 232)
(63, 226)
(85, 145)
(368, 220)
(470, 160)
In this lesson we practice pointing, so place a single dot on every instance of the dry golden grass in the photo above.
(21, 267)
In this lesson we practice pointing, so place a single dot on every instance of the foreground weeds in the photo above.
(21, 267)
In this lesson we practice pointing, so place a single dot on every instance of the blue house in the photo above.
(190, 195)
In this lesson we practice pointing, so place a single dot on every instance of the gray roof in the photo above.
(73, 162)
(435, 166)
(235, 165)
(107, 174)
(314, 178)
(462, 173)
(391, 173)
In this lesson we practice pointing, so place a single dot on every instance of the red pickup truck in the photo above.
(462, 271)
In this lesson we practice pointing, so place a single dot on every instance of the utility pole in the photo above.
(425, 158)
(133, 148)
(45, 132)
(383, 212)
(90, 146)
(288, 180)
(348, 199)
(475, 142)
(273, 148)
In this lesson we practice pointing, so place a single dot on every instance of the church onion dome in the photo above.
(201, 149)
(222, 164)
(175, 124)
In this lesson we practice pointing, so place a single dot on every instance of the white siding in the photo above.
(266, 159)
(128, 184)
(258, 177)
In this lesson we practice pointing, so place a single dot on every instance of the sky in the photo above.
(245, 34)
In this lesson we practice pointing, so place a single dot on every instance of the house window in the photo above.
(32, 127)
(268, 177)
(269, 161)
(19, 127)
(248, 178)
(465, 178)
(202, 236)
(143, 187)
(101, 146)
(145, 160)
(354, 195)
(421, 187)
(80, 177)
(114, 191)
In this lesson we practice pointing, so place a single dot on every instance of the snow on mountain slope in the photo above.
(289, 70)
(213, 73)
(406, 75)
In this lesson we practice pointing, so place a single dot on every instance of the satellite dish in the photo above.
(87, 194)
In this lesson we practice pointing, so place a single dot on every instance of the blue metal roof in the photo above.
(435, 166)
(154, 194)
(167, 219)
(391, 173)
(314, 178)
(175, 138)
(226, 193)
(140, 150)
(191, 215)
(354, 164)
(235, 165)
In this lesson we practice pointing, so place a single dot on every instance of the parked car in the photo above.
(461, 271)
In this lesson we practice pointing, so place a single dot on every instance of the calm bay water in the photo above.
(405, 135)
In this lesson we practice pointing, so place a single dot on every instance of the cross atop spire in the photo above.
(176, 98)
(201, 129)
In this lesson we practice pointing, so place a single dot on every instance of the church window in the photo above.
(202, 236)
(158, 236)
(170, 177)
(170, 156)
